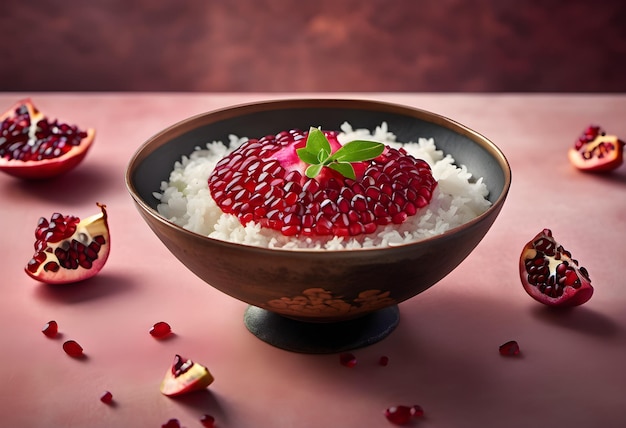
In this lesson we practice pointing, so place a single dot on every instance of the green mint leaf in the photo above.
(358, 151)
(317, 142)
(313, 170)
(307, 156)
(344, 168)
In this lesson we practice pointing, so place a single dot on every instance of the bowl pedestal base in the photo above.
(321, 338)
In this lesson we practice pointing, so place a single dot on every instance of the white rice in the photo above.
(186, 201)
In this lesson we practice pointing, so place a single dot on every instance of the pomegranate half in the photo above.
(68, 249)
(550, 275)
(595, 151)
(33, 147)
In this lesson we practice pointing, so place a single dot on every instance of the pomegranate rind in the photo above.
(571, 296)
(46, 168)
(94, 225)
(197, 377)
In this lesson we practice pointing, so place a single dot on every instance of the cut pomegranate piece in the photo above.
(550, 275)
(595, 151)
(185, 376)
(160, 330)
(33, 147)
(107, 398)
(509, 349)
(347, 359)
(73, 349)
(69, 250)
(51, 329)
(266, 182)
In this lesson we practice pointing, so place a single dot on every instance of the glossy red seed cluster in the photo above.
(589, 135)
(509, 349)
(263, 182)
(72, 254)
(160, 330)
(51, 329)
(22, 140)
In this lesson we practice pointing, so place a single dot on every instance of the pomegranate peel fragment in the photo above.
(33, 147)
(185, 376)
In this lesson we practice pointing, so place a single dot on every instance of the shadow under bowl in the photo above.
(312, 300)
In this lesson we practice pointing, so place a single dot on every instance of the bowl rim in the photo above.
(185, 125)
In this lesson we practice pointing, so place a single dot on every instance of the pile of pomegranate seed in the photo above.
(51, 329)
(22, 140)
(160, 330)
(402, 415)
(73, 349)
(509, 349)
(263, 181)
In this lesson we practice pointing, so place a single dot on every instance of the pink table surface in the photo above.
(443, 356)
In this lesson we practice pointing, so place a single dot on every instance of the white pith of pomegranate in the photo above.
(595, 151)
(550, 275)
(33, 147)
(68, 249)
(263, 181)
(185, 376)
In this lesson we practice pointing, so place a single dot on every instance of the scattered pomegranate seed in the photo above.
(347, 359)
(398, 415)
(383, 361)
(73, 349)
(172, 423)
(509, 349)
(160, 330)
(107, 398)
(208, 421)
(51, 329)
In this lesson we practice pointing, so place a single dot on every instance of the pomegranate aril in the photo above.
(51, 329)
(160, 330)
(383, 361)
(417, 411)
(106, 398)
(73, 349)
(208, 421)
(398, 415)
(172, 423)
(509, 349)
(347, 359)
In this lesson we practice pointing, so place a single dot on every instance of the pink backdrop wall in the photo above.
(325, 45)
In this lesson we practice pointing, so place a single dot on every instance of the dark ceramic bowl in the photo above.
(292, 292)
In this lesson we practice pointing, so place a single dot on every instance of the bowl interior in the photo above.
(155, 159)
